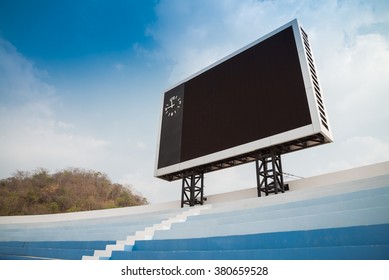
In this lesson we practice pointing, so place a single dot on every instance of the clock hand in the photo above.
(171, 106)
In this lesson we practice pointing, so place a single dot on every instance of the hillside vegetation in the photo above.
(38, 192)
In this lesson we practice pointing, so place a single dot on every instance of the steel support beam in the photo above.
(192, 189)
(270, 177)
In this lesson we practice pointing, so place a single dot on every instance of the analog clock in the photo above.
(173, 106)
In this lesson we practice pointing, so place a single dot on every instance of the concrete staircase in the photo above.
(146, 234)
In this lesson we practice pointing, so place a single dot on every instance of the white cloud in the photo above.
(31, 137)
(19, 79)
(119, 66)
(343, 154)
(358, 151)
(141, 145)
(155, 190)
(356, 84)
(65, 125)
(31, 134)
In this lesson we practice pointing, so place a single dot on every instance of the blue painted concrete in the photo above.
(95, 245)
(304, 221)
(359, 242)
(376, 252)
(68, 250)
(107, 228)
(348, 236)
(346, 209)
(50, 253)
(264, 213)
(19, 258)
(363, 198)
(104, 232)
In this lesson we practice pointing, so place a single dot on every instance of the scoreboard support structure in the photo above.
(270, 177)
(268, 167)
(192, 189)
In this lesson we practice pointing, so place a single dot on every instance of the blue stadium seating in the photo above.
(366, 242)
(110, 228)
(346, 220)
(67, 250)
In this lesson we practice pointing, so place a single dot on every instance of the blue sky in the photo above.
(81, 82)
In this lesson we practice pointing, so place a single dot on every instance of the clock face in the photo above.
(173, 106)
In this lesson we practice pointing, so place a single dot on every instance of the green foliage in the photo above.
(68, 190)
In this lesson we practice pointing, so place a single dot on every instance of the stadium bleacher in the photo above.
(341, 215)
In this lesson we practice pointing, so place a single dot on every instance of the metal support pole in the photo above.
(269, 174)
(258, 177)
(192, 189)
